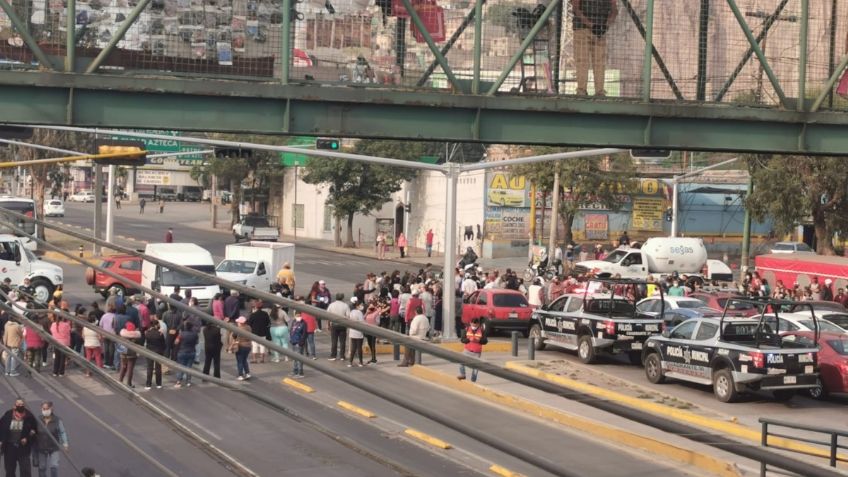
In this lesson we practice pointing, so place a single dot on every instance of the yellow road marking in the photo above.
(503, 471)
(298, 385)
(356, 409)
(427, 438)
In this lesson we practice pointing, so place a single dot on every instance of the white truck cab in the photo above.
(189, 255)
(18, 262)
(255, 264)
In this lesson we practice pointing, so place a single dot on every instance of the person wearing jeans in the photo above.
(186, 353)
(474, 339)
(241, 346)
(61, 331)
(297, 337)
(51, 434)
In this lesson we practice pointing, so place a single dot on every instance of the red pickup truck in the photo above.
(499, 309)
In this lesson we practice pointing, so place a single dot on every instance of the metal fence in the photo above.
(832, 442)
(741, 51)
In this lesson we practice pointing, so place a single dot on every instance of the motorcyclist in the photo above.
(468, 258)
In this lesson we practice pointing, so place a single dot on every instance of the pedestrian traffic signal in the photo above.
(122, 153)
(327, 143)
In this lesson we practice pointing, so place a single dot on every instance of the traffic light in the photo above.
(133, 153)
(327, 143)
(407, 208)
(232, 152)
(669, 215)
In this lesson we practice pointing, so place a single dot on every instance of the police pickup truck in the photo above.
(733, 355)
(603, 318)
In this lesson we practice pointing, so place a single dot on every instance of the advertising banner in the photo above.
(648, 214)
(597, 226)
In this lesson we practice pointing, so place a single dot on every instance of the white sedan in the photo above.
(652, 305)
(54, 208)
(82, 196)
(801, 322)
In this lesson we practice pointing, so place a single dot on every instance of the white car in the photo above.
(838, 318)
(791, 247)
(652, 305)
(82, 196)
(54, 208)
(802, 322)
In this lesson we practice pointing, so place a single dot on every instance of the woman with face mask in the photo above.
(50, 436)
(297, 337)
(18, 428)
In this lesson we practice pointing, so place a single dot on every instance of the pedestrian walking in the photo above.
(240, 345)
(161, 206)
(91, 343)
(155, 341)
(18, 430)
(297, 337)
(118, 201)
(141, 204)
(51, 434)
(356, 336)
(212, 349)
(418, 328)
(428, 242)
(61, 331)
(128, 356)
(338, 332)
(280, 333)
(402, 244)
(474, 339)
(169, 235)
(186, 352)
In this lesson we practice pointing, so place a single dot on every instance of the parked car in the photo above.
(791, 247)
(833, 361)
(82, 196)
(789, 322)
(127, 266)
(54, 208)
(719, 300)
(498, 309)
(819, 307)
(652, 306)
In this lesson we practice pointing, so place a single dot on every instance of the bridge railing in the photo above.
(751, 52)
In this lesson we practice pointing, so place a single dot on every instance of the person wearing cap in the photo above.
(356, 336)
(469, 285)
(286, 276)
(240, 345)
(338, 332)
(127, 355)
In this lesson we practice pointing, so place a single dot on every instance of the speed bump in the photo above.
(298, 385)
(503, 471)
(435, 442)
(356, 409)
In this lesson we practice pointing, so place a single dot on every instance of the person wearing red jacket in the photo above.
(474, 338)
(411, 305)
(311, 326)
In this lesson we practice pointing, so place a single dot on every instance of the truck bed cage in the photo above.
(765, 336)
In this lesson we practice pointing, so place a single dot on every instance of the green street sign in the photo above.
(162, 146)
(291, 159)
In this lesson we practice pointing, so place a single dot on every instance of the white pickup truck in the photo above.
(659, 256)
(256, 227)
(18, 262)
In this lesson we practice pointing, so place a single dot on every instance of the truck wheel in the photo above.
(236, 237)
(783, 395)
(585, 350)
(120, 289)
(653, 369)
(635, 357)
(723, 386)
(43, 290)
(536, 334)
(819, 392)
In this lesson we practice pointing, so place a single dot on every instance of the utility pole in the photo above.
(110, 204)
(746, 226)
(214, 201)
(554, 215)
(452, 171)
(98, 206)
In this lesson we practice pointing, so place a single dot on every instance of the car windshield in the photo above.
(839, 320)
(616, 256)
(54, 202)
(689, 304)
(840, 346)
(823, 326)
(508, 300)
(788, 247)
(735, 305)
(236, 266)
(172, 277)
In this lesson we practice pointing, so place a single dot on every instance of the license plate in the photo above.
(636, 346)
(790, 380)
(513, 315)
(808, 370)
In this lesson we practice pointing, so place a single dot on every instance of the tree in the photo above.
(584, 180)
(44, 176)
(358, 187)
(793, 189)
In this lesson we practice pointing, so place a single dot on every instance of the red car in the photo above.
(499, 310)
(833, 361)
(126, 266)
(717, 301)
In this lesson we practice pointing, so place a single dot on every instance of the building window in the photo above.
(297, 216)
(328, 218)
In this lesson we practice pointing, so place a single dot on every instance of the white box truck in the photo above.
(659, 256)
(164, 280)
(18, 262)
(255, 264)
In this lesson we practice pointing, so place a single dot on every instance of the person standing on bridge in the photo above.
(51, 435)
(592, 20)
(141, 203)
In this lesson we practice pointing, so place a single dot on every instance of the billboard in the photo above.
(596, 226)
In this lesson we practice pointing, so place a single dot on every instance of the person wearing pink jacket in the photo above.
(61, 331)
(34, 343)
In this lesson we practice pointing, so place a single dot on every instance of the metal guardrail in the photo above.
(832, 444)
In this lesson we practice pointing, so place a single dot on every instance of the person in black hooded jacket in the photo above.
(18, 429)
(155, 341)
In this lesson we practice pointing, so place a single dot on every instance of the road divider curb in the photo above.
(298, 385)
(52, 256)
(503, 471)
(731, 428)
(356, 409)
(491, 347)
(427, 438)
(705, 462)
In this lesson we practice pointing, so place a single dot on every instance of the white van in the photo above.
(188, 255)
